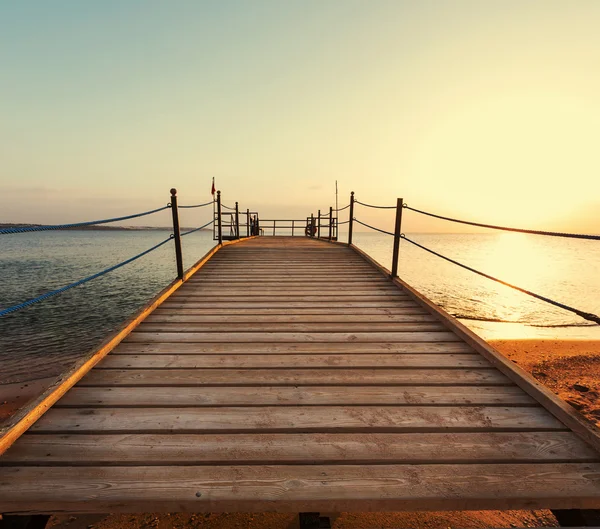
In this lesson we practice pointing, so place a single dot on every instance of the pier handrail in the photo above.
(175, 236)
(398, 235)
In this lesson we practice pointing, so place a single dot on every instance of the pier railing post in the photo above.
(312, 225)
(319, 224)
(350, 219)
(219, 224)
(176, 234)
(258, 225)
(397, 231)
(247, 223)
(237, 221)
(292, 228)
(330, 222)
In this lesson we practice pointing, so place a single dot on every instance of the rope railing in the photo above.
(341, 209)
(198, 205)
(586, 315)
(23, 229)
(196, 229)
(373, 227)
(175, 236)
(373, 206)
(505, 228)
(53, 293)
(227, 207)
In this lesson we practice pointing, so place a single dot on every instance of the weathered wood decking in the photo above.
(292, 375)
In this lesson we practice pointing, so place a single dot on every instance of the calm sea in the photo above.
(57, 331)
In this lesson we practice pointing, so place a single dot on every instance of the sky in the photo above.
(487, 111)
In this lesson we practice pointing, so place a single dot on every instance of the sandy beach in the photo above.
(569, 368)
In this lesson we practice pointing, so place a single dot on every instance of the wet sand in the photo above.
(569, 368)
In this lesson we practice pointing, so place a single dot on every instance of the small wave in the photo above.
(561, 325)
(539, 325)
(481, 318)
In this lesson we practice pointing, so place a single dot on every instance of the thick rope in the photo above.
(342, 209)
(585, 315)
(197, 205)
(227, 207)
(23, 229)
(372, 206)
(52, 293)
(345, 222)
(196, 229)
(504, 228)
(374, 228)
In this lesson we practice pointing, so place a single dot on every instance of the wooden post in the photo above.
(273, 227)
(330, 222)
(350, 219)
(258, 225)
(219, 225)
(312, 224)
(176, 234)
(292, 228)
(397, 231)
(319, 224)
(247, 223)
(237, 221)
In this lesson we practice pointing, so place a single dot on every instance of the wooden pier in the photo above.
(291, 374)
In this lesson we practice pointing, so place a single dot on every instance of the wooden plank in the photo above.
(209, 287)
(277, 419)
(364, 337)
(174, 316)
(174, 327)
(309, 311)
(251, 300)
(293, 377)
(185, 304)
(275, 294)
(274, 361)
(107, 397)
(288, 348)
(240, 281)
(307, 449)
(300, 488)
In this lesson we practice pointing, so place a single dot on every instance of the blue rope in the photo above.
(23, 229)
(585, 315)
(197, 205)
(52, 293)
(196, 229)
(504, 228)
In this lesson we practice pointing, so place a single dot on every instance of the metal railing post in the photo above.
(273, 227)
(176, 234)
(397, 231)
(237, 221)
(330, 222)
(219, 225)
(319, 224)
(258, 225)
(350, 219)
(312, 224)
(292, 227)
(247, 223)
